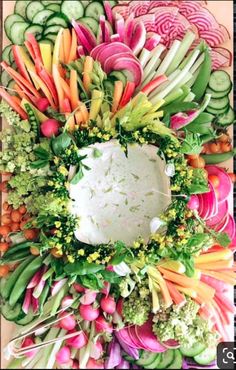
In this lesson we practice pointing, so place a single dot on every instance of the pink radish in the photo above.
(101, 325)
(50, 127)
(89, 297)
(93, 364)
(108, 304)
(119, 306)
(193, 202)
(87, 312)
(75, 364)
(106, 289)
(79, 288)
(67, 301)
(42, 104)
(79, 341)
(26, 343)
(63, 355)
(67, 322)
(96, 350)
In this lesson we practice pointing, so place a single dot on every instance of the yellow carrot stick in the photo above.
(189, 292)
(73, 52)
(156, 276)
(88, 68)
(172, 265)
(118, 91)
(60, 92)
(178, 278)
(66, 44)
(215, 256)
(56, 50)
(74, 94)
(206, 289)
(229, 273)
(65, 87)
(217, 265)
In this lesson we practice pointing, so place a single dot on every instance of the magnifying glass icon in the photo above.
(230, 356)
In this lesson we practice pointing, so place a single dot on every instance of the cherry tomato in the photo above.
(4, 270)
(16, 216)
(215, 147)
(30, 234)
(15, 226)
(215, 181)
(224, 138)
(22, 210)
(193, 156)
(4, 247)
(197, 163)
(34, 251)
(232, 176)
(6, 219)
(5, 230)
(226, 147)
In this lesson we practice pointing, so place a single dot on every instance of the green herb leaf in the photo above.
(60, 143)
(39, 164)
(78, 176)
(42, 153)
(199, 182)
(111, 276)
(197, 241)
(192, 144)
(83, 268)
(222, 239)
(92, 282)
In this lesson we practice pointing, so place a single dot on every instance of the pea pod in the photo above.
(14, 277)
(203, 118)
(218, 157)
(24, 279)
(179, 107)
(17, 247)
(18, 256)
(203, 77)
(33, 119)
(43, 296)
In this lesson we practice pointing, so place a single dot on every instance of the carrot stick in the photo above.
(220, 276)
(13, 104)
(215, 256)
(187, 291)
(73, 49)
(16, 99)
(118, 91)
(88, 68)
(177, 297)
(61, 50)
(65, 87)
(229, 273)
(217, 265)
(206, 289)
(66, 44)
(178, 278)
(44, 88)
(60, 92)
(20, 92)
(74, 94)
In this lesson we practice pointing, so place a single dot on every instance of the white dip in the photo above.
(119, 196)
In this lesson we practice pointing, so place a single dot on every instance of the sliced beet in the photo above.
(222, 224)
(229, 228)
(223, 208)
(225, 185)
(124, 335)
(147, 338)
(135, 339)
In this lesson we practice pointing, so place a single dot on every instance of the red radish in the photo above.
(120, 26)
(42, 104)
(106, 289)
(125, 337)
(84, 35)
(79, 288)
(138, 39)
(27, 301)
(147, 338)
(96, 350)
(115, 37)
(75, 364)
(67, 301)
(80, 51)
(193, 202)
(87, 312)
(79, 341)
(119, 306)
(26, 343)
(108, 304)
(88, 297)
(67, 322)
(101, 325)
(129, 29)
(134, 338)
(50, 127)
(63, 355)
(108, 11)
(93, 364)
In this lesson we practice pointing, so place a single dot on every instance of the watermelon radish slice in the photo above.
(97, 49)
(203, 19)
(229, 228)
(225, 186)
(135, 339)
(111, 49)
(124, 335)
(131, 68)
(223, 209)
(208, 205)
(214, 37)
(221, 225)
(122, 10)
(139, 7)
(148, 21)
(109, 62)
(147, 338)
(189, 7)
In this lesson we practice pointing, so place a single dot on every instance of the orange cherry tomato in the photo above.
(215, 181)
(226, 147)
(30, 234)
(214, 147)
(224, 138)
(4, 270)
(6, 219)
(198, 162)
(34, 251)
(15, 226)
(16, 216)
(4, 247)
(54, 253)
(193, 156)
(5, 230)
(22, 210)
(232, 176)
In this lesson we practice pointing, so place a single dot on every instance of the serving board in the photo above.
(223, 11)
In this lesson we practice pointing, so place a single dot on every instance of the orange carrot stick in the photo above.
(220, 276)
(60, 92)
(187, 291)
(217, 265)
(88, 68)
(13, 104)
(178, 278)
(177, 297)
(44, 88)
(73, 49)
(74, 94)
(20, 92)
(66, 44)
(118, 91)
(65, 87)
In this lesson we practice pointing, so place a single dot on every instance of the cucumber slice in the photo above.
(9, 21)
(35, 29)
(91, 23)
(217, 112)
(33, 8)
(113, 3)
(11, 86)
(155, 363)
(51, 29)
(166, 359)
(51, 37)
(219, 103)
(26, 318)
(5, 78)
(206, 357)
(219, 94)
(54, 7)
(17, 32)
(57, 19)
(6, 54)
(146, 358)
(227, 118)
(177, 362)
(42, 17)
(220, 81)
(10, 313)
(20, 7)
(94, 10)
(192, 351)
(119, 75)
(48, 2)
(72, 9)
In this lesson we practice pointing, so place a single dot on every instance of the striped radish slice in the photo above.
(122, 10)
(223, 208)
(189, 7)
(156, 4)
(203, 19)
(178, 28)
(214, 37)
(139, 7)
(164, 19)
(218, 60)
(148, 21)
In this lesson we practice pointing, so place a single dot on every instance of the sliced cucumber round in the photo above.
(166, 359)
(52, 29)
(35, 29)
(219, 103)
(220, 81)
(48, 2)
(217, 112)
(119, 75)
(146, 358)
(206, 357)
(5, 78)
(33, 8)
(9, 21)
(72, 9)
(54, 7)
(91, 23)
(11, 313)
(94, 10)
(11, 86)
(20, 7)
(17, 32)
(51, 36)
(177, 361)
(192, 351)
(42, 16)
(57, 19)
(227, 118)
(6, 54)
(219, 94)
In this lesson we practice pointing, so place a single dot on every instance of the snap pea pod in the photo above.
(203, 118)
(17, 247)
(200, 129)
(18, 256)
(218, 157)
(33, 120)
(24, 279)
(203, 77)
(180, 107)
(14, 277)
(43, 296)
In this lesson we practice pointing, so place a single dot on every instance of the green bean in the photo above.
(18, 256)
(14, 277)
(24, 279)
(218, 157)
(203, 77)
(17, 247)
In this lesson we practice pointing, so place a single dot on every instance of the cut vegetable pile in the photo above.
(117, 236)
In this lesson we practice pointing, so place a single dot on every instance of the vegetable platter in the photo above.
(117, 229)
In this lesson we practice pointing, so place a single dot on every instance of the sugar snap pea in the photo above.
(180, 107)
(218, 157)
(23, 279)
(17, 247)
(6, 291)
(203, 77)
(18, 256)
(43, 296)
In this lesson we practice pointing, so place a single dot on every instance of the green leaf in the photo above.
(42, 153)
(192, 144)
(83, 268)
(39, 164)
(60, 143)
(92, 282)
(197, 241)
(78, 176)
(110, 276)
(189, 265)
(199, 182)
(222, 239)
(118, 258)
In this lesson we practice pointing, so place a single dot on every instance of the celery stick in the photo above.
(200, 47)
(173, 96)
(153, 62)
(171, 77)
(144, 57)
(184, 81)
(189, 97)
(198, 62)
(182, 51)
(194, 77)
(168, 58)
(178, 79)
(49, 364)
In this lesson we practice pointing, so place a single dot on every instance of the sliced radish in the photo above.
(124, 335)
(131, 67)
(147, 338)
(135, 339)
(109, 63)
(203, 19)
(225, 185)
(214, 37)
(229, 228)
(148, 21)
(223, 208)
(122, 10)
(139, 7)
(138, 38)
